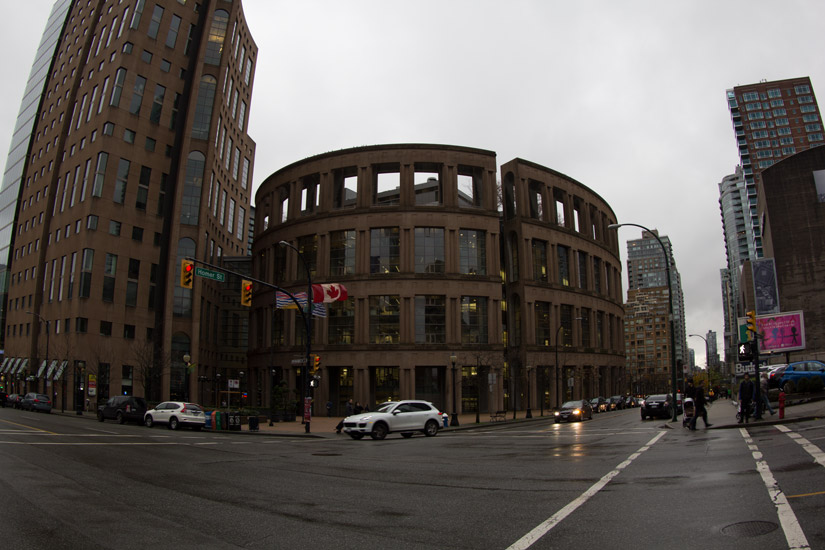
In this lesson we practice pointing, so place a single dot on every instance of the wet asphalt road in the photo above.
(72, 482)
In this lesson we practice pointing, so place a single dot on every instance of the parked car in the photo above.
(598, 404)
(795, 372)
(3, 397)
(775, 373)
(631, 401)
(123, 408)
(13, 400)
(36, 402)
(176, 414)
(616, 403)
(405, 417)
(657, 406)
(574, 411)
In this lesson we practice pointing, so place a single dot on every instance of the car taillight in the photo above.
(183, 410)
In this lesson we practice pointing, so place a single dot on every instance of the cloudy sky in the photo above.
(627, 97)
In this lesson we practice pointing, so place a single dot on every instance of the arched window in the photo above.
(203, 107)
(190, 204)
(217, 34)
(182, 302)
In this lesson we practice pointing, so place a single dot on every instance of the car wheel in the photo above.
(99, 416)
(119, 418)
(430, 428)
(788, 387)
(173, 423)
(356, 436)
(148, 422)
(406, 435)
(379, 431)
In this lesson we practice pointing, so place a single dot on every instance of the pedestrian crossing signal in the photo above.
(246, 293)
(187, 273)
(745, 352)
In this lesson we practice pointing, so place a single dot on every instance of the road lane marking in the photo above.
(29, 427)
(807, 495)
(812, 449)
(790, 525)
(543, 528)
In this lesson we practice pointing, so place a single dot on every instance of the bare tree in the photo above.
(149, 365)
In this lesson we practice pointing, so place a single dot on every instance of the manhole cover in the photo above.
(749, 529)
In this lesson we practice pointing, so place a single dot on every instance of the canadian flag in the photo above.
(332, 292)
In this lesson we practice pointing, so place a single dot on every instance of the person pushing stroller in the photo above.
(699, 406)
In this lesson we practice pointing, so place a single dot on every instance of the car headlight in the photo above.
(577, 411)
(557, 413)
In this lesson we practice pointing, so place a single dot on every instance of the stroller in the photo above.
(689, 411)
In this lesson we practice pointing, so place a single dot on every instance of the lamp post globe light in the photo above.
(675, 390)
(308, 323)
(454, 416)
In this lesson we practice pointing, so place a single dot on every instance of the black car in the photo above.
(616, 403)
(123, 408)
(657, 406)
(574, 411)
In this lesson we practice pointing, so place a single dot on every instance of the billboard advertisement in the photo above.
(778, 333)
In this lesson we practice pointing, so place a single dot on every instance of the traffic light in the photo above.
(745, 352)
(752, 323)
(316, 363)
(187, 273)
(246, 293)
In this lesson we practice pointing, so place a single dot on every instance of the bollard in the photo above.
(781, 405)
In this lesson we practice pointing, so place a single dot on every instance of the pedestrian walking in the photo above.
(350, 408)
(747, 392)
(699, 406)
(763, 388)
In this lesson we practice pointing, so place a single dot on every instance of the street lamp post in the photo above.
(558, 368)
(529, 413)
(454, 417)
(46, 325)
(308, 324)
(707, 357)
(669, 312)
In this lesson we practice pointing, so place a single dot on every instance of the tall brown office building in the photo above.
(136, 156)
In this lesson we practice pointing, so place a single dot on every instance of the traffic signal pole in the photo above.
(754, 332)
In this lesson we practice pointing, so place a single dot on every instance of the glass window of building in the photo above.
(385, 315)
(341, 322)
(430, 319)
(542, 313)
(472, 245)
(564, 264)
(473, 319)
(342, 252)
(429, 250)
(540, 260)
(385, 250)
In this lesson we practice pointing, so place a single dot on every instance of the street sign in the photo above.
(299, 362)
(210, 274)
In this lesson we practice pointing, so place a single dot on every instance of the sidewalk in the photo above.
(721, 414)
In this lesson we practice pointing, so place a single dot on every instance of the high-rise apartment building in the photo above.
(739, 247)
(131, 153)
(772, 121)
(647, 332)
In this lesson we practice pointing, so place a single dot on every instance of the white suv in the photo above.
(175, 414)
(405, 417)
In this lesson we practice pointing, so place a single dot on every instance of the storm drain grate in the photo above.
(749, 529)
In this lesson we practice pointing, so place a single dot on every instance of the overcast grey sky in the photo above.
(626, 97)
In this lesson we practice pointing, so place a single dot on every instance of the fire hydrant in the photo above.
(781, 405)
(446, 419)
